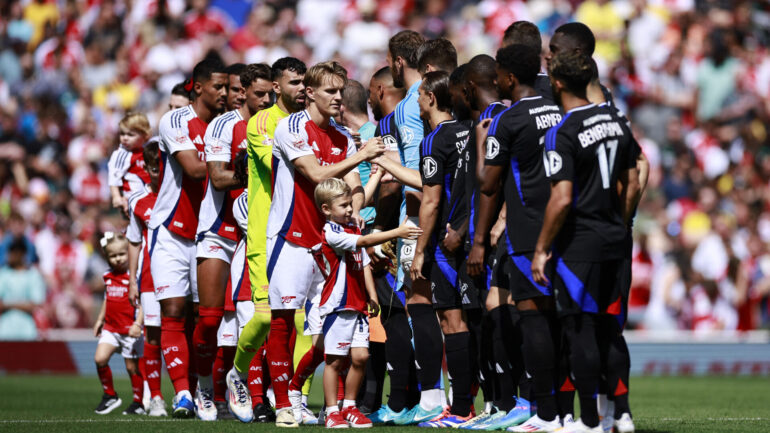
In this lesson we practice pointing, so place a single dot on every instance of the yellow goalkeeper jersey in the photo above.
(259, 132)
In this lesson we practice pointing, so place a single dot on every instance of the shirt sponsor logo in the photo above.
(429, 167)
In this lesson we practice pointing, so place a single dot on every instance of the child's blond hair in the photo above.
(135, 121)
(330, 189)
(111, 237)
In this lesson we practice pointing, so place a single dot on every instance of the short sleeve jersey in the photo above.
(260, 133)
(515, 141)
(139, 211)
(125, 169)
(410, 132)
(440, 165)
(342, 263)
(293, 213)
(225, 136)
(469, 159)
(590, 147)
(119, 313)
(179, 196)
(388, 130)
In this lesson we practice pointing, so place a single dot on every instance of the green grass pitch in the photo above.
(661, 405)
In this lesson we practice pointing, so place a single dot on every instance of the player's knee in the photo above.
(359, 358)
(101, 361)
(173, 307)
(152, 335)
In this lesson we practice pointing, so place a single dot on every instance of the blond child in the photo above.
(125, 170)
(348, 294)
(119, 327)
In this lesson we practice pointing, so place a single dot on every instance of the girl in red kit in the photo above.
(119, 327)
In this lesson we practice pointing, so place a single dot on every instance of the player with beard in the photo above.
(590, 160)
(236, 91)
(174, 218)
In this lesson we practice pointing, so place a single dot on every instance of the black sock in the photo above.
(475, 319)
(565, 394)
(399, 356)
(370, 395)
(585, 362)
(617, 364)
(516, 357)
(503, 345)
(539, 352)
(428, 345)
(458, 361)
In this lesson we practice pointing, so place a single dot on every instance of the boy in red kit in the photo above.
(125, 172)
(140, 280)
(347, 294)
(119, 327)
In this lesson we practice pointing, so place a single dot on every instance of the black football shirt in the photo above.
(590, 147)
(440, 165)
(515, 141)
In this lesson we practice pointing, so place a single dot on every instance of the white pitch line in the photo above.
(66, 421)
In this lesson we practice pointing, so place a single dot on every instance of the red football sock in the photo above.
(205, 338)
(175, 351)
(105, 376)
(279, 355)
(189, 330)
(137, 386)
(307, 365)
(222, 365)
(257, 376)
(152, 368)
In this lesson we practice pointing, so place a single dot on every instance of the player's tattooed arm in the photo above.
(555, 213)
(191, 163)
(221, 178)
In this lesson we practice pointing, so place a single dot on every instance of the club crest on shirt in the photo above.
(429, 167)
(407, 135)
(493, 148)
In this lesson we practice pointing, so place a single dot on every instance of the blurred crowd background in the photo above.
(694, 77)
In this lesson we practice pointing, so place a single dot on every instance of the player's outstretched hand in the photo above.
(539, 260)
(374, 308)
(373, 148)
(408, 231)
(476, 259)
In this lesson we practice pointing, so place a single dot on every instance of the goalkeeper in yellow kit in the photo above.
(288, 73)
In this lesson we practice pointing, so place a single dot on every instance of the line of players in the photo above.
(526, 299)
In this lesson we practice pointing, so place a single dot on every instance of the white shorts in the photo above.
(173, 265)
(293, 274)
(150, 308)
(213, 246)
(129, 347)
(313, 322)
(232, 324)
(345, 330)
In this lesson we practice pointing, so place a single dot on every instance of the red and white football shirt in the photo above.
(239, 284)
(225, 136)
(126, 170)
(343, 265)
(293, 213)
(179, 196)
(119, 314)
(140, 209)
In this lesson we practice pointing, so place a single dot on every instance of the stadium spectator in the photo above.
(22, 291)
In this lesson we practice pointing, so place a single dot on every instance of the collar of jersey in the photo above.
(415, 87)
(582, 107)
